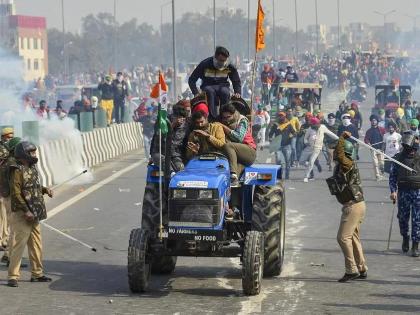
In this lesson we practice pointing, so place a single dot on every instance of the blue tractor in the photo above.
(195, 203)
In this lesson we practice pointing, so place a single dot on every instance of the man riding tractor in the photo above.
(214, 73)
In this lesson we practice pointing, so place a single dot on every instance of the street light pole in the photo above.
(174, 52)
(249, 30)
(115, 36)
(385, 14)
(338, 28)
(296, 32)
(274, 31)
(64, 38)
(317, 28)
(214, 24)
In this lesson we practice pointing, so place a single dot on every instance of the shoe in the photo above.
(319, 169)
(234, 182)
(41, 279)
(362, 275)
(415, 249)
(349, 276)
(13, 283)
(406, 244)
(305, 180)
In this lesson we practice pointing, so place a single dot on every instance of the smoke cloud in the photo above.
(64, 165)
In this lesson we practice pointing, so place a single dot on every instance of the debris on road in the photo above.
(317, 264)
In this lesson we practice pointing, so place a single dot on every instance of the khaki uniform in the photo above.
(4, 202)
(353, 211)
(26, 195)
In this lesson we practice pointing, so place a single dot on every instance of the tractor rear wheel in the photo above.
(150, 222)
(269, 217)
(253, 263)
(139, 262)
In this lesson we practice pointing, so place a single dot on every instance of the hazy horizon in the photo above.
(150, 11)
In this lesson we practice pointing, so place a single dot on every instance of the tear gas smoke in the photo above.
(63, 165)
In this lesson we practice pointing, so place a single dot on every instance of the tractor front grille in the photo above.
(203, 212)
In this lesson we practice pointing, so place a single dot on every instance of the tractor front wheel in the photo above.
(252, 263)
(269, 217)
(139, 262)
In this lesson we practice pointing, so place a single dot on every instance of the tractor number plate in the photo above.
(195, 235)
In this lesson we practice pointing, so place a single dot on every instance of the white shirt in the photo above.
(315, 138)
(392, 143)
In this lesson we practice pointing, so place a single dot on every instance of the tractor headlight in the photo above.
(179, 194)
(264, 176)
(205, 194)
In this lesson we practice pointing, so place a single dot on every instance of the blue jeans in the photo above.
(146, 144)
(283, 158)
(293, 146)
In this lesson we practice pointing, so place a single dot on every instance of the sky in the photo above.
(149, 11)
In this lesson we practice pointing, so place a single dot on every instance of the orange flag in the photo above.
(259, 36)
(159, 88)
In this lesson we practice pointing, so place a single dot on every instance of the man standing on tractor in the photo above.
(405, 187)
(214, 73)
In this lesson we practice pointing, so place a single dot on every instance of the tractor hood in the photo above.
(208, 172)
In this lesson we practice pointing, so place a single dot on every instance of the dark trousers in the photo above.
(216, 94)
(119, 110)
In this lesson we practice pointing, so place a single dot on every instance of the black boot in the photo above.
(415, 249)
(406, 244)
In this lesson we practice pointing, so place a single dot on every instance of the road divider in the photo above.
(95, 147)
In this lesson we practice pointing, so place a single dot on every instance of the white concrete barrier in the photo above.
(98, 146)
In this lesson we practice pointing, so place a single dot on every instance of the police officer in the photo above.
(28, 209)
(348, 191)
(405, 187)
(6, 134)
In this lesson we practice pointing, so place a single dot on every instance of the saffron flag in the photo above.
(259, 35)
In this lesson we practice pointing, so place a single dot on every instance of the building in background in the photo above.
(25, 36)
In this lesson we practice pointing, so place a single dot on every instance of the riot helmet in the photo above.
(25, 151)
(349, 149)
(410, 142)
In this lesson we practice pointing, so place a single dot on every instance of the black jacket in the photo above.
(120, 90)
(212, 76)
(107, 91)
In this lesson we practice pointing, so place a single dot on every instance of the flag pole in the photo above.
(259, 44)
(160, 168)
(254, 69)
